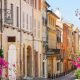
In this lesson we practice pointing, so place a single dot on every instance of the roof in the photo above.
(65, 24)
(58, 27)
(47, 4)
(53, 13)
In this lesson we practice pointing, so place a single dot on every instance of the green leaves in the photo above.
(1, 53)
(78, 53)
(77, 73)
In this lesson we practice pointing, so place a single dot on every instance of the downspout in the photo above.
(33, 39)
(20, 42)
(46, 47)
(1, 24)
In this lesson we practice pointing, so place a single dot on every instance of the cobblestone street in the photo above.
(69, 76)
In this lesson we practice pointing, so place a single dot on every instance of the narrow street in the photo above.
(69, 76)
(39, 39)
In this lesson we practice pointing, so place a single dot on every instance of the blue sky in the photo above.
(67, 9)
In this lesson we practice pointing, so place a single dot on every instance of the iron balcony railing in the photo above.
(53, 51)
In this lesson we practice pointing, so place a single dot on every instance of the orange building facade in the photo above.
(67, 46)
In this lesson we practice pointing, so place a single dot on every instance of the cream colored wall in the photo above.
(10, 32)
(25, 8)
(38, 39)
(52, 40)
(27, 39)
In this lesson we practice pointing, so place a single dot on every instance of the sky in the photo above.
(67, 9)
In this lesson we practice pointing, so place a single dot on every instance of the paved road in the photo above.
(69, 76)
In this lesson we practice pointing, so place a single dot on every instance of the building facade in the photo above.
(17, 19)
(79, 41)
(53, 54)
(45, 6)
(22, 37)
(76, 39)
(37, 32)
(67, 44)
(59, 28)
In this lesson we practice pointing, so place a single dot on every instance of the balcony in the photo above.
(53, 52)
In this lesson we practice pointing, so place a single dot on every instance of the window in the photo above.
(39, 29)
(58, 66)
(49, 20)
(24, 60)
(39, 4)
(24, 0)
(58, 36)
(53, 22)
(35, 3)
(30, 24)
(12, 13)
(5, 7)
(17, 16)
(27, 21)
(11, 39)
(43, 21)
(34, 27)
(23, 20)
(0, 4)
(31, 2)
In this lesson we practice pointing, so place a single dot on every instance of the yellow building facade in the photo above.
(53, 63)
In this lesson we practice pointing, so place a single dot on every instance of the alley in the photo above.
(37, 41)
(69, 76)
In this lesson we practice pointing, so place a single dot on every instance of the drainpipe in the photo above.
(1, 24)
(20, 42)
(46, 47)
(33, 39)
(1, 29)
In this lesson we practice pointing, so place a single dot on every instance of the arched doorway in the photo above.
(12, 62)
(36, 63)
(24, 61)
(29, 61)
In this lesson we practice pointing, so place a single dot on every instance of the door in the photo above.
(12, 62)
(36, 64)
